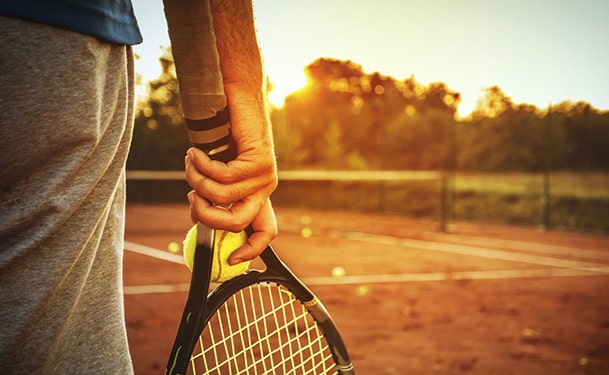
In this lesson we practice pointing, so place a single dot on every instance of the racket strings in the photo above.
(263, 329)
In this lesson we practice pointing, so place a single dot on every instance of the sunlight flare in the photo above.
(284, 83)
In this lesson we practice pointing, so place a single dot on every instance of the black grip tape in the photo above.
(222, 117)
(222, 149)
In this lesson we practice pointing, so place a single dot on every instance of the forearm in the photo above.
(238, 48)
(244, 79)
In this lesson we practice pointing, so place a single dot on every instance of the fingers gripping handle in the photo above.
(193, 44)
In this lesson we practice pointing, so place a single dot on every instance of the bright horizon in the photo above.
(538, 52)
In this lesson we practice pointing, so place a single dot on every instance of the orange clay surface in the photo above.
(413, 299)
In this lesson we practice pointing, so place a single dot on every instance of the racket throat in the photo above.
(205, 236)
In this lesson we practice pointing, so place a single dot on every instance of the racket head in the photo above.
(268, 322)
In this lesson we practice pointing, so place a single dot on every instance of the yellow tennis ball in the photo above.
(338, 271)
(306, 232)
(173, 247)
(224, 245)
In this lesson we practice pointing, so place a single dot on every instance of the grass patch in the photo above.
(577, 200)
(497, 208)
(562, 184)
(569, 212)
(418, 199)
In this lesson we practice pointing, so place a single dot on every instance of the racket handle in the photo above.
(213, 136)
(197, 61)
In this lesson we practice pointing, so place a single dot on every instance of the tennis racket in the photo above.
(261, 322)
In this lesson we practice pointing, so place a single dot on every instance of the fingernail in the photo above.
(191, 154)
(186, 161)
(191, 197)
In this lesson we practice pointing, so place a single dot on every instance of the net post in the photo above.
(447, 202)
(443, 202)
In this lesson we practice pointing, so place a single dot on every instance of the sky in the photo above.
(539, 52)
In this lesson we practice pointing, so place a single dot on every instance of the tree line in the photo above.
(346, 118)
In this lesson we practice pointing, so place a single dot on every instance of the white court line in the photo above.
(154, 253)
(534, 247)
(478, 241)
(154, 289)
(463, 275)
(565, 268)
(476, 251)
(401, 278)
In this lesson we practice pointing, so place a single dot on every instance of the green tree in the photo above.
(587, 131)
(350, 119)
(347, 118)
(159, 138)
(501, 135)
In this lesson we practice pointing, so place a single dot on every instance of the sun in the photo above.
(284, 83)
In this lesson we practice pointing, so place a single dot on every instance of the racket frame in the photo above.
(192, 321)
(276, 272)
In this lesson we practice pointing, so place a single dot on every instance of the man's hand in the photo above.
(243, 185)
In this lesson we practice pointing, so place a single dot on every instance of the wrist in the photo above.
(243, 98)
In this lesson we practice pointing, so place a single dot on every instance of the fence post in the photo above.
(447, 202)
(448, 183)
(443, 202)
(546, 198)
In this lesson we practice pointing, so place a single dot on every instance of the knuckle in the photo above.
(201, 185)
(238, 226)
(274, 232)
(224, 176)
(196, 182)
(272, 178)
(230, 194)
(274, 183)
(271, 234)
(240, 221)
(222, 198)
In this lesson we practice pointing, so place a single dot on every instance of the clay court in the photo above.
(413, 300)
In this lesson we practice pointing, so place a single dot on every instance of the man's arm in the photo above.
(247, 182)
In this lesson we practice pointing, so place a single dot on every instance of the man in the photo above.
(65, 127)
